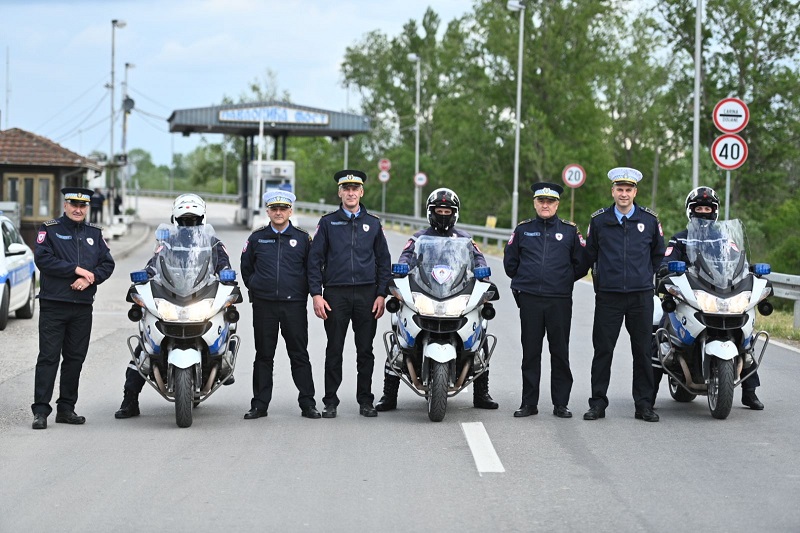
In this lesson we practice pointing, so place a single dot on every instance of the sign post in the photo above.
(383, 177)
(420, 180)
(574, 176)
(729, 151)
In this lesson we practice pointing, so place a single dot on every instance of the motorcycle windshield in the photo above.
(716, 251)
(444, 265)
(185, 258)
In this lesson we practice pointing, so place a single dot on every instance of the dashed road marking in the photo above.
(486, 458)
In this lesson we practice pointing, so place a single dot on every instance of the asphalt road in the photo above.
(396, 472)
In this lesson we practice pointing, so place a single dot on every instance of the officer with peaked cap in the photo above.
(72, 258)
(274, 269)
(544, 257)
(350, 259)
(625, 244)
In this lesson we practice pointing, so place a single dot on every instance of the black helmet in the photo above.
(443, 198)
(702, 196)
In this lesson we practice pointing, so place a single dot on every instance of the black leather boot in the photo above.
(388, 401)
(480, 393)
(130, 405)
(750, 399)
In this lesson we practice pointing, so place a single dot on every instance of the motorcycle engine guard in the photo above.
(441, 353)
(725, 350)
(184, 358)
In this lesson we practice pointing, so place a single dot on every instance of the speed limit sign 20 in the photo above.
(573, 175)
(729, 151)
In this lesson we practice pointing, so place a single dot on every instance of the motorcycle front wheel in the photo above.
(437, 391)
(720, 387)
(184, 396)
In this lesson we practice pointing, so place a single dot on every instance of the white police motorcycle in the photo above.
(186, 347)
(440, 311)
(707, 346)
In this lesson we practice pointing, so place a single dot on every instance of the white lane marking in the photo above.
(486, 459)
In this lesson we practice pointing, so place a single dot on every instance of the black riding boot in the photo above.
(388, 401)
(480, 393)
(130, 405)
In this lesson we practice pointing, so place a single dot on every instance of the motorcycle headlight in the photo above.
(429, 307)
(713, 304)
(196, 312)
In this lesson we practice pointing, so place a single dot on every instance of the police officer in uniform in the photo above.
(544, 257)
(443, 206)
(187, 210)
(625, 243)
(350, 258)
(701, 204)
(73, 259)
(274, 269)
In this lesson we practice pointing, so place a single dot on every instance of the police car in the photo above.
(17, 275)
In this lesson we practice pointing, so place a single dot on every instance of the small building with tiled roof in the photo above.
(33, 170)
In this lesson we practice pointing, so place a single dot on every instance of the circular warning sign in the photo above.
(731, 115)
(573, 175)
(729, 151)
(420, 179)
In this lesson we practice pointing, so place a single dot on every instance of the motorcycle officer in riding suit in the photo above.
(187, 210)
(701, 204)
(442, 206)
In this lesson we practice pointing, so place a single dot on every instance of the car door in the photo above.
(18, 267)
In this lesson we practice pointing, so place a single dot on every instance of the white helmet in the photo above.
(190, 206)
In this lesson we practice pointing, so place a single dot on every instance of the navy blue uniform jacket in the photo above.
(274, 265)
(63, 245)
(625, 256)
(544, 257)
(349, 251)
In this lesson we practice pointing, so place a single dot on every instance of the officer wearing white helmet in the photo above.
(187, 210)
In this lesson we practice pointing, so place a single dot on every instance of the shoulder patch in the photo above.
(599, 212)
(300, 229)
(93, 225)
(568, 222)
(524, 221)
(330, 213)
(259, 229)
(51, 222)
(648, 210)
(373, 216)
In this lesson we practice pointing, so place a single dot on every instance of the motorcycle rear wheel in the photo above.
(184, 396)
(720, 388)
(678, 393)
(437, 391)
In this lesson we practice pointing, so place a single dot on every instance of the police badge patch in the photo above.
(40, 237)
(292, 242)
(366, 227)
(640, 227)
(559, 236)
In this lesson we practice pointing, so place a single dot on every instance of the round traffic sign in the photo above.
(383, 176)
(729, 151)
(731, 115)
(420, 179)
(573, 175)
(384, 165)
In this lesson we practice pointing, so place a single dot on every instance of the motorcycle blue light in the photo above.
(482, 272)
(140, 276)
(400, 269)
(677, 267)
(162, 234)
(227, 275)
(762, 269)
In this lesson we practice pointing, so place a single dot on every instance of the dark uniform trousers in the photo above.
(292, 319)
(353, 303)
(636, 308)
(554, 315)
(60, 324)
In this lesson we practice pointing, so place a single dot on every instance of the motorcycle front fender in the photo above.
(441, 353)
(184, 358)
(725, 350)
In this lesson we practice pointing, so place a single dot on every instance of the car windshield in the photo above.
(716, 251)
(444, 265)
(185, 258)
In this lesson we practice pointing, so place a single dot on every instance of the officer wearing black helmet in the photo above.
(544, 257)
(350, 258)
(442, 206)
(73, 259)
(701, 204)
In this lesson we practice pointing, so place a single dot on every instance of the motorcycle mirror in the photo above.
(668, 304)
(135, 313)
(140, 276)
(400, 269)
(761, 269)
(765, 308)
(482, 272)
(677, 267)
(392, 305)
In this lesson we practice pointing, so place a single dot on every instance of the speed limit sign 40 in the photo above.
(573, 175)
(729, 151)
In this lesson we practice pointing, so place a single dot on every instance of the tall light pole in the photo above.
(698, 57)
(517, 5)
(110, 163)
(416, 59)
(127, 106)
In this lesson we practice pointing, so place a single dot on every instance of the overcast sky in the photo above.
(56, 59)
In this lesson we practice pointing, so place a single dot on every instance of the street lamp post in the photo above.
(127, 106)
(115, 23)
(517, 5)
(416, 59)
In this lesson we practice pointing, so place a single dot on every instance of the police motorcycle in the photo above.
(708, 344)
(440, 311)
(186, 347)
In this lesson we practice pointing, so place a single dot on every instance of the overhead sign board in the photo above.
(731, 115)
(729, 151)
(573, 175)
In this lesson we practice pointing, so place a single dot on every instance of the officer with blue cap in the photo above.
(544, 257)
(274, 269)
(625, 245)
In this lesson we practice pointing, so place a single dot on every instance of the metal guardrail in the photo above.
(787, 286)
